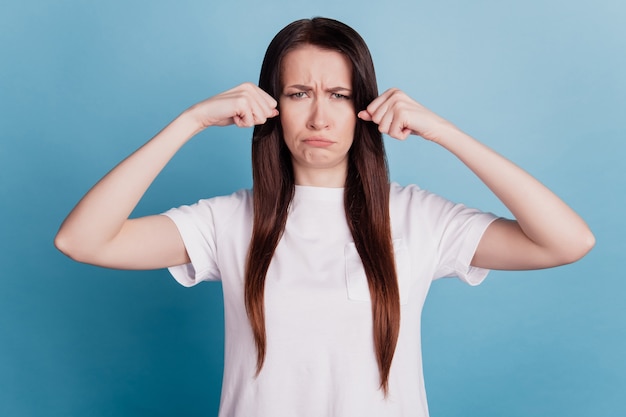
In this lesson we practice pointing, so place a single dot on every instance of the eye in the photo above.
(340, 96)
(299, 94)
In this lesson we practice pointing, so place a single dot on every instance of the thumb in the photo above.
(364, 115)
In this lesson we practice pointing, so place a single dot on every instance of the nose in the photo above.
(318, 118)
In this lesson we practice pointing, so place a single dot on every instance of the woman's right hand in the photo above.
(98, 230)
(245, 106)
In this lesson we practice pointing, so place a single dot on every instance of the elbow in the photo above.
(63, 244)
(579, 247)
(70, 247)
(587, 243)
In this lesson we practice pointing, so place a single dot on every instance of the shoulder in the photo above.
(228, 201)
(238, 199)
(225, 205)
(397, 190)
(411, 200)
(411, 194)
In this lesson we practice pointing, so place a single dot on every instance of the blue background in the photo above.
(82, 84)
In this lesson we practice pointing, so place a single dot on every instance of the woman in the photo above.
(325, 264)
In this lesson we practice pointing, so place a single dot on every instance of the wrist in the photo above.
(192, 121)
(445, 134)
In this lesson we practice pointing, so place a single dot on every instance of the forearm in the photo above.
(98, 230)
(546, 232)
(542, 216)
(102, 212)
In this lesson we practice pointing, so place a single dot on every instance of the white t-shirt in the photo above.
(320, 358)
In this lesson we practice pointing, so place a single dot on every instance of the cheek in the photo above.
(292, 122)
(350, 124)
(286, 118)
(286, 127)
(289, 131)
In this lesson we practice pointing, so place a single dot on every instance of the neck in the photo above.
(321, 177)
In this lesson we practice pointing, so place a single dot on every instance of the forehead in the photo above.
(311, 64)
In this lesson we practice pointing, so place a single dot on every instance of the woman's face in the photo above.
(317, 114)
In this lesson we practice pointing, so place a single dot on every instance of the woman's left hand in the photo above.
(546, 232)
(399, 116)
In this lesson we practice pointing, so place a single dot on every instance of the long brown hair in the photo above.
(366, 195)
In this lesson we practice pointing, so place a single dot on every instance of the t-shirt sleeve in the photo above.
(196, 226)
(449, 234)
(460, 236)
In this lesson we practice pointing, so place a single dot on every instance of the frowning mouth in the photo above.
(318, 142)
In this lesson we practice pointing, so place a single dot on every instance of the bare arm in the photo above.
(98, 230)
(546, 232)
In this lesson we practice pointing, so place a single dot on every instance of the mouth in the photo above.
(318, 142)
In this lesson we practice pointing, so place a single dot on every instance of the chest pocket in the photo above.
(356, 280)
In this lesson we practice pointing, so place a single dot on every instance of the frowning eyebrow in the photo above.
(302, 87)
